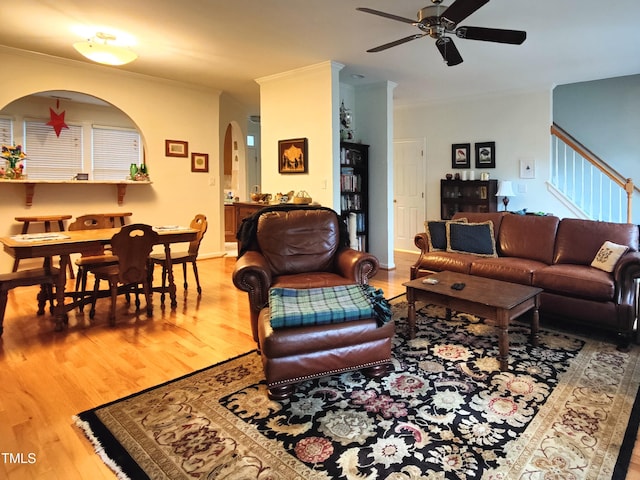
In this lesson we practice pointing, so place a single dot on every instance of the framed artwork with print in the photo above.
(486, 155)
(200, 162)
(293, 156)
(461, 155)
(176, 148)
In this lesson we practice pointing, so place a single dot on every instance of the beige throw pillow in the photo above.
(608, 256)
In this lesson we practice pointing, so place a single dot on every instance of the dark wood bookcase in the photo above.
(354, 191)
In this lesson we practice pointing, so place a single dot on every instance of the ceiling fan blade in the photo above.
(459, 10)
(396, 42)
(449, 52)
(387, 15)
(514, 37)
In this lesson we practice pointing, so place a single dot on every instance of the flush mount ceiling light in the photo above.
(98, 49)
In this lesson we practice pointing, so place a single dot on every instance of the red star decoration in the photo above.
(57, 121)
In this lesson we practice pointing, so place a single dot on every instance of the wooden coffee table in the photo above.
(487, 298)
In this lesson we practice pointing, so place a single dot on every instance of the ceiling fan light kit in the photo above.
(438, 21)
(99, 50)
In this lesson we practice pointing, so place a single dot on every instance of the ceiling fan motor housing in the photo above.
(429, 21)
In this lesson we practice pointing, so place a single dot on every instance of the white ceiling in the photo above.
(227, 44)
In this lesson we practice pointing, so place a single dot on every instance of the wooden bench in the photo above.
(47, 220)
(46, 278)
(114, 218)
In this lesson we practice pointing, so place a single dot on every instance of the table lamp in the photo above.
(505, 190)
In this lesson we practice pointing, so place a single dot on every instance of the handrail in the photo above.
(626, 184)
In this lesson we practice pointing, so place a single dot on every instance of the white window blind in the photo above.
(51, 157)
(114, 150)
(6, 131)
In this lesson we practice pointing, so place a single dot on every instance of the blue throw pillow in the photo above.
(437, 233)
(476, 238)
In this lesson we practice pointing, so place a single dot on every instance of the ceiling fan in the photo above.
(438, 21)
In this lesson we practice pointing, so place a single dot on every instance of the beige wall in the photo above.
(285, 103)
(161, 110)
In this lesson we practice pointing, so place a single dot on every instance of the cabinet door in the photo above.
(229, 223)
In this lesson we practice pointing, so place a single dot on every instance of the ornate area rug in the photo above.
(564, 410)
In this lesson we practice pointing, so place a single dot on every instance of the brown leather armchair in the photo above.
(306, 247)
(296, 247)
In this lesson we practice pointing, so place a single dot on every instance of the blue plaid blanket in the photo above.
(292, 307)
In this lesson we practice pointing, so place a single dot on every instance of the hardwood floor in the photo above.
(46, 377)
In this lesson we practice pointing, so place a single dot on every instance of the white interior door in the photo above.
(408, 190)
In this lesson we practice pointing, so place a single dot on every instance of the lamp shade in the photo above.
(505, 189)
(99, 50)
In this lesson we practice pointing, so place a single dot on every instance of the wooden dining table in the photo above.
(63, 244)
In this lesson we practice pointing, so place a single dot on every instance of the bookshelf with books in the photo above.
(354, 192)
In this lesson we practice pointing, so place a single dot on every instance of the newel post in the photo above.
(628, 187)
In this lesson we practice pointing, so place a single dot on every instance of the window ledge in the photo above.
(30, 186)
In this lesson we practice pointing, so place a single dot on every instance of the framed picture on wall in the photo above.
(461, 155)
(293, 156)
(486, 155)
(176, 148)
(199, 162)
(527, 168)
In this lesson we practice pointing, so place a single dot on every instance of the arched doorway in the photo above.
(235, 163)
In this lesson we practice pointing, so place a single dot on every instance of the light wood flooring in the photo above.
(46, 377)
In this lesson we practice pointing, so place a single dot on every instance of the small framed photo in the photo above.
(461, 155)
(527, 168)
(486, 155)
(176, 148)
(293, 156)
(200, 162)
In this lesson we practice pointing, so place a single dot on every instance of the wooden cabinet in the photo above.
(230, 226)
(234, 214)
(467, 196)
(354, 192)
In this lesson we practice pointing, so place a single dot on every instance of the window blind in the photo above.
(6, 131)
(51, 157)
(113, 151)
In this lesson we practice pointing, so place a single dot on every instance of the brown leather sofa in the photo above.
(306, 247)
(555, 255)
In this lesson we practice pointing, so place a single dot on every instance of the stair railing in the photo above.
(589, 182)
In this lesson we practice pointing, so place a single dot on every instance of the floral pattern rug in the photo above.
(444, 411)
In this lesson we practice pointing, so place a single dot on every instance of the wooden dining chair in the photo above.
(90, 259)
(132, 245)
(45, 277)
(199, 223)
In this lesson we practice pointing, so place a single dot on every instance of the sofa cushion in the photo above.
(608, 256)
(476, 238)
(313, 238)
(310, 280)
(578, 241)
(437, 233)
(576, 280)
(508, 269)
(454, 262)
(528, 236)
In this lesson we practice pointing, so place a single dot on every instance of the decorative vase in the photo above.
(133, 171)
(12, 172)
